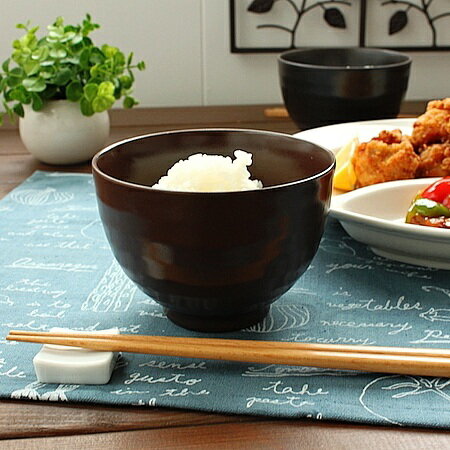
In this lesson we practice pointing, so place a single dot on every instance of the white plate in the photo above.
(333, 137)
(375, 214)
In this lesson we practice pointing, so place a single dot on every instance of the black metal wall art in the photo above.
(277, 25)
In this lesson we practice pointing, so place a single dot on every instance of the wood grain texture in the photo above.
(24, 419)
(187, 116)
(273, 434)
(39, 425)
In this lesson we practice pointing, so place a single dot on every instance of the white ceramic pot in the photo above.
(60, 134)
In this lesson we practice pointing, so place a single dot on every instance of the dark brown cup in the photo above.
(215, 261)
(324, 86)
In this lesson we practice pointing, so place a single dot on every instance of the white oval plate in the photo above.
(375, 215)
(333, 137)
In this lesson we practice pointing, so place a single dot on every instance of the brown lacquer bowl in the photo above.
(215, 261)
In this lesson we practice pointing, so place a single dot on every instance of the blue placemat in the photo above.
(56, 269)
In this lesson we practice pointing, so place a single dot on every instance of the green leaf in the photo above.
(36, 102)
(73, 60)
(40, 54)
(47, 73)
(75, 29)
(5, 65)
(50, 92)
(105, 88)
(86, 107)
(84, 58)
(18, 109)
(51, 40)
(77, 48)
(95, 71)
(117, 90)
(9, 111)
(126, 81)
(55, 33)
(31, 67)
(59, 22)
(6, 95)
(48, 63)
(90, 91)
(67, 36)
(87, 42)
(129, 102)
(28, 41)
(119, 59)
(36, 84)
(95, 80)
(96, 56)
(26, 52)
(88, 26)
(100, 104)
(77, 39)
(141, 65)
(109, 51)
(15, 77)
(12, 81)
(16, 72)
(62, 77)
(58, 52)
(74, 91)
(20, 94)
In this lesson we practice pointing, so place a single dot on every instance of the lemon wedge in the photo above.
(344, 175)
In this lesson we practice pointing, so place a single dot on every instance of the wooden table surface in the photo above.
(25, 424)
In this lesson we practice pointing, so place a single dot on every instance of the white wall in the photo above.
(185, 44)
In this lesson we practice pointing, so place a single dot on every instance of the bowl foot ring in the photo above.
(217, 324)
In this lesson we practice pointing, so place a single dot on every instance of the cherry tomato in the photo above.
(439, 191)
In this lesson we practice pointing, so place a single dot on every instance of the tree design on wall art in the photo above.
(332, 14)
(399, 19)
(275, 25)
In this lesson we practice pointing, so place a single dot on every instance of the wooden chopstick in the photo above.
(425, 362)
(276, 112)
(242, 342)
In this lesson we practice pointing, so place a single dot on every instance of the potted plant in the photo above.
(61, 86)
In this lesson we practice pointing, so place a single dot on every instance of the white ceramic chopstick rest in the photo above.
(74, 365)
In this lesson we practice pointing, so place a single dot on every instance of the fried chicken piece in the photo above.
(390, 156)
(433, 125)
(434, 160)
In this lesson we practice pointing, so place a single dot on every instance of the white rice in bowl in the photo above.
(210, 173)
